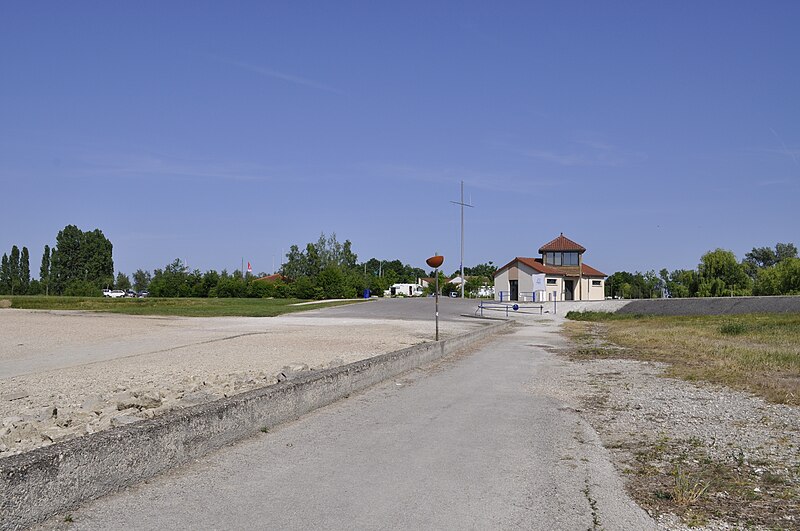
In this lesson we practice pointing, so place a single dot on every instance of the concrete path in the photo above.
(474, 442)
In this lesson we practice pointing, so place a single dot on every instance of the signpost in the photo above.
(435, 262)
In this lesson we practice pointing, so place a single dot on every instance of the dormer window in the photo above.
(559, 259)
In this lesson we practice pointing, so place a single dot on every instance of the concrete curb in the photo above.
(38, 484)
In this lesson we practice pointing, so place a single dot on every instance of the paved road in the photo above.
(475, 442)
(418, 308)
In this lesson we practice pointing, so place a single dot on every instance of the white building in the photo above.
(559, 274)
(404, 290)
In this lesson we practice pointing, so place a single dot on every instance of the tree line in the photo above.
(80, 264)
(762, 271)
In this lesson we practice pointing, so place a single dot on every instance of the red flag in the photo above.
(249, 269)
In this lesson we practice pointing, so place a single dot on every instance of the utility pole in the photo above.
(463, 204)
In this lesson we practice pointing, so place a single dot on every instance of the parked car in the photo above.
(130, 293)
(117, 293)
(143, 294)
(106, 293)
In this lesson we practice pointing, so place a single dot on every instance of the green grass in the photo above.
(185, 307)
(756, 352)
(595, 317)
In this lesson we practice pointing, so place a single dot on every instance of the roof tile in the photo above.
(561, 244)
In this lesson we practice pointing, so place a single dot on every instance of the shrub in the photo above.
(82, 288)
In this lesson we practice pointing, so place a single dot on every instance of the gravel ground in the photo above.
(650, 422)
(65, 374)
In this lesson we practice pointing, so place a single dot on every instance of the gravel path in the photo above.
(650, 423)
(64, 374)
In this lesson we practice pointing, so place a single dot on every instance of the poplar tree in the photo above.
(13, 268)
(5, 275)
(24, 271)
(44, 270)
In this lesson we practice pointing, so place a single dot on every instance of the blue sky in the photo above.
(649, 132)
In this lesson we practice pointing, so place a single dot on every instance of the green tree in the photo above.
(66, 260)
(122, 281)
(97, 253)
(171, 281)
(82, 288)
(5, 275)
(785, 250)
(44, 270)
(680, 282)
(296, 264)
(763, 257)
(333, 283)
(722, 275)
(780, 279)
(13, 264)
(83, 256)
(35, 287)
(24, 271)
(482, 270)
(141, 280)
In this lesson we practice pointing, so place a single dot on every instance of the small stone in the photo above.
(294, 367)
(93, 404)
(124, 420)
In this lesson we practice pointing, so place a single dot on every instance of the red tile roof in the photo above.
(537, 265)
(562, 244)
(589, 271)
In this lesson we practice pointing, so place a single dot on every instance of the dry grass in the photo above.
(758, 353)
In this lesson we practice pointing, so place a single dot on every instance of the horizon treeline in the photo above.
(762, 271)
(81, 264)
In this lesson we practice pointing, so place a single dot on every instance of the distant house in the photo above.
(558, 274)
(404, 290)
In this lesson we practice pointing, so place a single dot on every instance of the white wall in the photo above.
(524, 275)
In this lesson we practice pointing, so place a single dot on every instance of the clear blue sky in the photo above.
(649, 132)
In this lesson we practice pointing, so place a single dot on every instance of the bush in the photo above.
(82, 288)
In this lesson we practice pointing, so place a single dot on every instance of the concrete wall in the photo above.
(46, 481)
(695, 306)
(520, 272)
(713, 306)
(590, 293)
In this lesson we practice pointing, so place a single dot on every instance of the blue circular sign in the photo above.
(516, 307)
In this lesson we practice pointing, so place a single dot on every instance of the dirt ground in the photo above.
(65, 374)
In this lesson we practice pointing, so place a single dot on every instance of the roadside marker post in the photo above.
(435, 262)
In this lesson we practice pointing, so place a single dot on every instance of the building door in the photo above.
(514, 287)
(569, 290)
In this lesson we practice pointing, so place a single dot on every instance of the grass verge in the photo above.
(185, 307)
(759, 353)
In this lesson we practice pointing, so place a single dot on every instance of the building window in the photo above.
(557, 259)
(570, 259)
(596, 283)
(552, 281)
(552, 259)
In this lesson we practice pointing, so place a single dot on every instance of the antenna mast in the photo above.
(463, 204)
